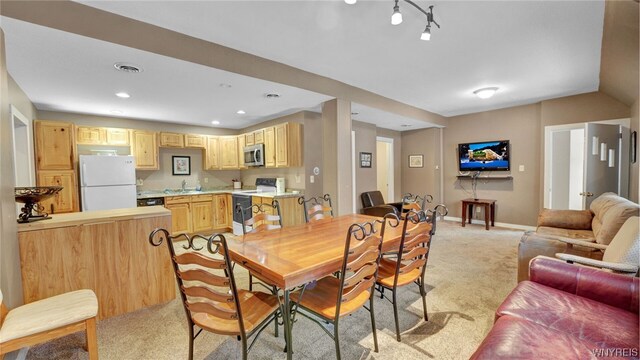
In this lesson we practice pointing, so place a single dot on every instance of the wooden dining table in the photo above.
(292, 257)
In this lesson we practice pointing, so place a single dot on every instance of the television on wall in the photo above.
(484, 156)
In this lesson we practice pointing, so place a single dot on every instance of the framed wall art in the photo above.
(365, 159)
(416, 161)
(181, 165)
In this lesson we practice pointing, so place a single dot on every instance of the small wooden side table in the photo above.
(489, 210)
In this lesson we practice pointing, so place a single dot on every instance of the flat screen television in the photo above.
(484, 156)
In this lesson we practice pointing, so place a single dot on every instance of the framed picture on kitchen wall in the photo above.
(365, 159)
(415, 161)
(181, 165)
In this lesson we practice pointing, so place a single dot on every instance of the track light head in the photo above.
(396, 17)
(426, 34)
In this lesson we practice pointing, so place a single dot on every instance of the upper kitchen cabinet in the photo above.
(269, 147)
(288, 145)
(249, 139)
(229, 152)
(241, 145)
(86, 135)
(258, 136)
(212, 153)
(91, 135)
(173, 140)
(67, 199)
(144, 148)
(54, 145)
(195, 141)
(117, 136)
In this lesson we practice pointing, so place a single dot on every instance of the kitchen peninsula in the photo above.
(107, 251)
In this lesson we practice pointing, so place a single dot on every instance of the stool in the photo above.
(489, 210)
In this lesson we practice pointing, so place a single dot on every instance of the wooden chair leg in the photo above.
(92, 339)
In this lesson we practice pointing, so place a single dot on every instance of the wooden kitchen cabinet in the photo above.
(90, 135)
(144, 148)
(269, 147)
(67, 199)
(195, 141)
(118, 137)
(241, 145)
(221, 204)
(258, 136)
(180, 218)
(202, 216)
(212, 153)
(292, 212)
(249, 139)
(173, 140)
(55, 145)
(229, 152)
(288, 143)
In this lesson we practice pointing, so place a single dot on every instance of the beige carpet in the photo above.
(470, 271)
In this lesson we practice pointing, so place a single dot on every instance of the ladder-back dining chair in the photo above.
(410, 262)
(316, 208)
(330, 298)
(264, 217)
(49, 319)
(415, 202)
(209, 293)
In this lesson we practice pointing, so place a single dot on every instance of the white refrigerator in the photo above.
(107, 182)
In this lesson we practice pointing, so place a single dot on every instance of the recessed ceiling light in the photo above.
(128, 67)
(240, 112)
(272, 96)
(351, 2)
(486, 93)
(117, 112)
(215, 122)
(123, 95)
(406, 125)
(225, 85)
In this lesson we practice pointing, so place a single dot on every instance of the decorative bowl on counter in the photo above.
(31, 197)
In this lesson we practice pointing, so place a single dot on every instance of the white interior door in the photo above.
(384, 168)
(601, 162)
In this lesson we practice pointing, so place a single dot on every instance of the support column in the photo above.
(336, 146)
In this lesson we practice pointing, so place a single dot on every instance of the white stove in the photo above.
(243, 200)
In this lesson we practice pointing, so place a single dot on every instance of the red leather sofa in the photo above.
(566, 312)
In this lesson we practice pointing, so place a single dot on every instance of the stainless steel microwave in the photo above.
(254, 155)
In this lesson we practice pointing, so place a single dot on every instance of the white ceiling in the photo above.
(531, 50)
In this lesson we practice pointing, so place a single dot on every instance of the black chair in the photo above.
(373, 204)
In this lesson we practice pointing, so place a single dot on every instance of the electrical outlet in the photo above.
(312, 179)
(437, 167)
(521, 168)
(206, 180)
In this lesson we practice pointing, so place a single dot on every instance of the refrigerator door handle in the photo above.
(83, 174)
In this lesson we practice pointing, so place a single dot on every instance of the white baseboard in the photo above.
(504, 225)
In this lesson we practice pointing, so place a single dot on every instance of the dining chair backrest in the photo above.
(316, 207)
(438, 210)
(203, 277)
(415, 202)
(415, 242)
(361, 258)
(3, 309)
(263, 217)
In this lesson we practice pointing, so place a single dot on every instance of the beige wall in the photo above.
(313, 154)
(517, 199)
(425, 180)
(10, 280)
(634, 172)
(581, 108)
(366, 178)
(19, 99)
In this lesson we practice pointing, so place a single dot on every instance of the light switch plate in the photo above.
(312, 179)
(521, 168)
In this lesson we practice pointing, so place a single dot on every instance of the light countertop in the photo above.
(159, 193)
(92, 217)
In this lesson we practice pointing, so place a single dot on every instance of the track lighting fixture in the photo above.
(396, 17)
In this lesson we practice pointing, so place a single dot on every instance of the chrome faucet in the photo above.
(184, 185)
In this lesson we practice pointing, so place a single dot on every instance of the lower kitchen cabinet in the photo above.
(180, 218)
(202, 214)
(221, 204)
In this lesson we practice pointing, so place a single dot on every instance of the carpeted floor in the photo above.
(470, 272)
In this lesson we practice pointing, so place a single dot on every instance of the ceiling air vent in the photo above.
(130, 68)
(272, 96)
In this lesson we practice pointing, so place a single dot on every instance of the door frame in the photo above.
(548, 150)
(17, 116)
(390, 174)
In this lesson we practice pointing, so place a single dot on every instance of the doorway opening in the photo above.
(22, 145)
(384, 167)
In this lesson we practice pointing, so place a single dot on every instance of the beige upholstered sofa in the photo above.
(599, 224)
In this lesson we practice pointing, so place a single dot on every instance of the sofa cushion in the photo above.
(515, 338)
(566, 219)
(625, 246)
(586, 235)
(610, 212)
(585, 319)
